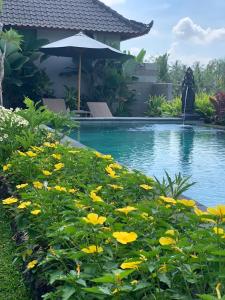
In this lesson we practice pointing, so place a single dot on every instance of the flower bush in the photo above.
(92, 229)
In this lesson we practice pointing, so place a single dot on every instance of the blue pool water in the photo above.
(153, 148)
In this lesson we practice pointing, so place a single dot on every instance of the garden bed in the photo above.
(92, 229)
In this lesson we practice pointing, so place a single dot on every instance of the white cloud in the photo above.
(186, 29)
(113, 2)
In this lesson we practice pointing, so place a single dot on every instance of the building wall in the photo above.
(146, 85)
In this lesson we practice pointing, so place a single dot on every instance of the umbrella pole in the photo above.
(79, 83)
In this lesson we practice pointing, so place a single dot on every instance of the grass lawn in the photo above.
(12, 286)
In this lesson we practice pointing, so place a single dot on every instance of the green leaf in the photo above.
(165, 279)
(68, 291)
(55, 276)
(109, 278)
(98, 290)
(207, 297)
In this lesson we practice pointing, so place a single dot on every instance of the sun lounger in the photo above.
(55, 105)
(99, 110)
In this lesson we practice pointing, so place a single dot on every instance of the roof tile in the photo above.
(89, 15)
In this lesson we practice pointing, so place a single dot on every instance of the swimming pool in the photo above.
(153, 148)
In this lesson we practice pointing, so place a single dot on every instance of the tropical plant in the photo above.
(70, 97)
(174, 188)
(172, 108)
(154, 105)
(20, 129)
(204, 106)
(22, 75)
(10, 42)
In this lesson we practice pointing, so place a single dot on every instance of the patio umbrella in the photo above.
(81, 46)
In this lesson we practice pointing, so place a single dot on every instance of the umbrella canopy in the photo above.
(80, 45)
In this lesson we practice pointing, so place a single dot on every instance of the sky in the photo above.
(189, 30)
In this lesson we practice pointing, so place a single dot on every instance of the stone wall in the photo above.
(145, 85)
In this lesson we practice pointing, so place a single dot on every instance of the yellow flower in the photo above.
(74, 151)
(99, 155)
(57, 156)
(24, 205)
(21, 153)
(97, 189)
(146, 216)
(111, 172)
(46, 173)
(38, 185)
(32, 264)
(10, 201)
(166, 241)
(59, 166)
(22, 186)
(163, 268)
(31, 154)
(115, 166)
(218, 287)
(115, 186)
(72, 191)
(50, 145)
(95, 197)
(188, 203)
(208, 220)
(92, 249)
(126, 210)
(134, 282)
(219, 231)
(168, 200)
(60, 188)
(125, 237)
(37, 149)
(79, 205)
(130, 265)
(6, 167)
(170, 232)
(219, 211)
(94, 219)
(146, 187)
(36, 212)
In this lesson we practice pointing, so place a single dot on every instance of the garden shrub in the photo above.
(172, 108)
(90, 228)
(204, 106)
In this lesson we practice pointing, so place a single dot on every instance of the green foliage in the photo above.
(162, 62)
(71, 97)
(22, 76)
(172, 108)
(154, 105)
(11, 282)
(172, 249)
(59, 230)
(174, 188)
(160, 106)
(93, 229)
(204, 106)
(23, 128)
(112, 86)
